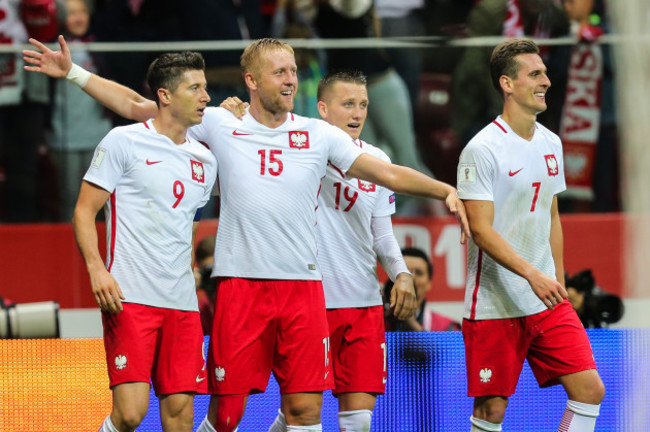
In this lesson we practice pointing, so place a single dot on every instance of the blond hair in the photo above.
(251, 57)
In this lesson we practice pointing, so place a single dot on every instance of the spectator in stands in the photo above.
(205, 285)
(78, 122)
(390, 117)
(474, 104)
(424, 319)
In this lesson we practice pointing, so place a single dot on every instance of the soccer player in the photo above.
(270, 307)
(509, 176)
(152, 180)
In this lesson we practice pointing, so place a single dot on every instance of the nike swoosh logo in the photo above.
(514, 173)
(198, 380)
(239, 133)
(152, 162)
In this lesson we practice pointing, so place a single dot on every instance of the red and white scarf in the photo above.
(580, 122)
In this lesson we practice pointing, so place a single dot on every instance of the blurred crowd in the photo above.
(425, 101)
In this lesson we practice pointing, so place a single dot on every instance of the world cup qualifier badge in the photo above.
(197, 171)
(299, 139)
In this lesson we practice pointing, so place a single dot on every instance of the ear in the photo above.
(250, 81)
(164, 96)
(322, 109)
(506, 84)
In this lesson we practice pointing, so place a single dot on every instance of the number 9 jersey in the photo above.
(156, 188)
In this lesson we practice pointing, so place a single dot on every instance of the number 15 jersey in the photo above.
(269, 180)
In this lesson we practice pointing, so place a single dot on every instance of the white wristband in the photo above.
(78, 75)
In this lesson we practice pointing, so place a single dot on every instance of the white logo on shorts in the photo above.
(120, 362)
(485, 374)
(220, 373)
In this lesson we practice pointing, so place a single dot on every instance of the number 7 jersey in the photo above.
(521, 178)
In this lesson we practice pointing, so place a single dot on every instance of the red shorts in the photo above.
(553, 341)
(358, 345)
(165, 346)
(262, 326)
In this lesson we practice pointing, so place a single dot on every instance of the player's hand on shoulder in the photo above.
(235, 106)
(106, 290)
(55, 64)
(402, 297)
(549, 290)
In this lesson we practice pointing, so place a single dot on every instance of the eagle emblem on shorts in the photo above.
(485, 374)
(120, 362)
(366, 186)
(219, 373)
(197, 171)
(551, 164)
(299, 139)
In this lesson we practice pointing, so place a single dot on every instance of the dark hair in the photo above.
(503, 60)
(419, 253)
(167, 70)
(348, 76)
(204, 248)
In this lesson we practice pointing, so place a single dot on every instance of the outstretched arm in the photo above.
(116, 97)
(410, 182)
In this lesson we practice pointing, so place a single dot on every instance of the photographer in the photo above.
(595, 307)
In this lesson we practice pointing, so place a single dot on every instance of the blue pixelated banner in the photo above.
(427, 391)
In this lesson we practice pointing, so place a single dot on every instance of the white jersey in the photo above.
(346, 207)
(156, 188)
(269, 181)
(521, 177)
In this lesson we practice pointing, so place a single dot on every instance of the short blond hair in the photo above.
(251, 57)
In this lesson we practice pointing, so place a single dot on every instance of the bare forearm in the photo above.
(557, 247)
(490, 242)
(85, 232)
(120, 99)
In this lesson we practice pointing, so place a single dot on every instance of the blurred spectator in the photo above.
(425, 319)
(595, 307)
(399, 18)
(205, 286)
(23, 102)
(390, 117)
(136, 21)
(474, 105)
(78, 122)
(588, 123)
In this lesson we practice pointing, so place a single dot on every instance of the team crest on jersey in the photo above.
(197, 171)
(551, 164)
(485, 374)
(366, 186)
(299, 139)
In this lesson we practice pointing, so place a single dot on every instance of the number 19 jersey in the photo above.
(269, 181)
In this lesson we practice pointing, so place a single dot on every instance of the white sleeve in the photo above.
(386, 247)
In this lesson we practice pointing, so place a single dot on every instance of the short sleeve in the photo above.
(110, 161)
(475, 175)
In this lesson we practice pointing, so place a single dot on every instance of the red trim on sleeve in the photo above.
(113, 225)
(476, 284)
(500, 127)
(336, 168)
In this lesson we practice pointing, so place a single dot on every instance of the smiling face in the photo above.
(188, 101)
(345, 105)
(274, 81)
(528, 89)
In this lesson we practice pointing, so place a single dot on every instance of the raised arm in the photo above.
(481, 218)
(410, 182)
(116, 97)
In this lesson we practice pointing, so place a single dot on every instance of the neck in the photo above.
(267, 118)
(170, 128)
(523, 124)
